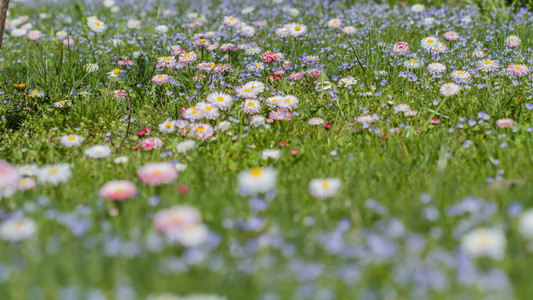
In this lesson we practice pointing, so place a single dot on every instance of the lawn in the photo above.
(270, 150)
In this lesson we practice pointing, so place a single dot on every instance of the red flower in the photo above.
(327, 125)
(182, 189)
(142, 132)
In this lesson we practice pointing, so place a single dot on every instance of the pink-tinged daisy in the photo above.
(26, 183)
(201, 131)
(279, 115)
(436, 68)
(187, 58)
(434, 121)
(176, 217)
(157, 173)
(209, 110)
(151, 143)
(518, 70)
(273, 101)
(288, 102)
(228, 47)
(488, 65)
(251, 107)
(451, 36)
(9, 179)
(400, 47)
(269, 57)
(201, 43)
(166, 61)
(119, 94)
(504, 123)
(221, 100)
(118, 190)
(512, 41)
(160, 79)
(334, 23)
(125, 62)
(349, 30)
(478, 53)
(449, 89)
(295, 76)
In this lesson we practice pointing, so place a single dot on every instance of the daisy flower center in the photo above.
(250, 104)
(35, 92)
(297, 28)
(202, 41)
(488, 62)
(325, 185)
(460, 73)
(247, 90)
(187, 55)
(166, 58)
(97, 23)
(287, 100)
(220, 99)
(518, 67)
(208, 108)
(200, 129)
(116, 71)
(256, 171)
(413, 60)
(53, 170)
(168, 124)
(156, 172)
(90, 66)
(430, 41)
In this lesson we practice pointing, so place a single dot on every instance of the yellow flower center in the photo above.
(202, 41)
(63, 101)
(53, 170)
(430, 41)
(116, 71)
(512, 40)
(200, 129)
(325, 185)
(119, 191)
(256, 171)
(488, 62)
(250, 104)
(247, 90)
(156, 172)
(166, 58)
(72, 138)
(413, 60)
(220, 99)
(212, 66)
(160, 76)
(231, 19)
(194, 111)
(187, 55)
(518, 67)
(460, 73)
(208, 108)
(168, 124)
(287, 100)
(90, 66)
(97, 23)
(35, 92)
(297, 28)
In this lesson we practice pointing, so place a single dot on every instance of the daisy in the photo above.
(191, 113)
(315, 121)
(54, 174)
(451, 36)
(401, 108)
(209, 110)
(478, 54)
(512, 41)
(436, 68)
(223, 126)
(255, 86)
(412, 64)
(176, 217)
(255, 66)
(324, 188)
(157, 173)
(231, 21)
(221, 100)
(98, 151)
(9, 179)
(187, 58)
(525, 225)
(201, 131)
(117, 73)
(400, 47)
(72, 140)
(297, 30)
(429, 42)
(488, 65)
(288, 102)
(484, 242)
(270, 153)
(185, 146)
(257, 120)
(26, 183)
(246, 92)
(191, 236)
(17, 230)
(61, 35)
(118, 190)
(121, 160)
(89, 68)
(252, 50)
(151, 143)
(334, 23)
(257, 180)
(418, 8)
(504, 123)
(460, 75)
(251, 106)
(273, 101)
(449, 89)
(25, 170)
(439, 48)
(166, 61)
(167, 127)
(160, 79)
(35, 93)
(133, 24)
(349, 30)
(162, 29)
(518, 70)
(348, 82)
(62, 103)
(96, 25)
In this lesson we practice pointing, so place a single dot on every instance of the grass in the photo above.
(398, 161)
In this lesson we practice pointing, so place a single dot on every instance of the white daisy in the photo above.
(257, 180)
(484, 242)
(16, 230)
(324, 188)
(98, 151)
(71, 140)
(185, 146)
(54, 174)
